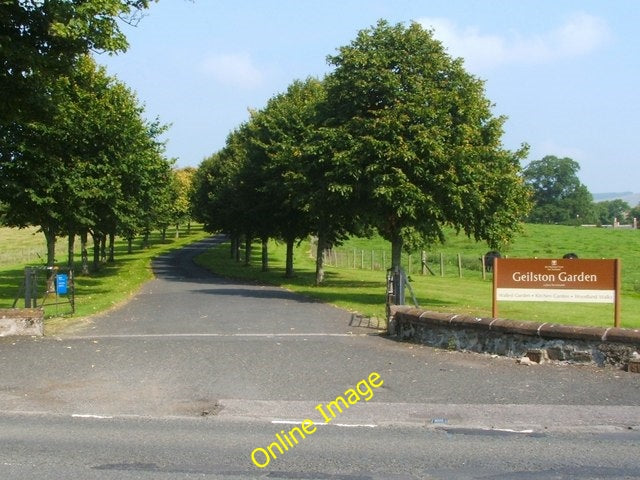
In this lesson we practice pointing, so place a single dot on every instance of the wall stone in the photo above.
(21, 321)
(562, 343)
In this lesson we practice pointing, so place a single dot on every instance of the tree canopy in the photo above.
(421, 132)
(41, 40)
(399, 137)
(558, 194)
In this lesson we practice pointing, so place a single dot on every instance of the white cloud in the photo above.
(579, 35)
(233, 69)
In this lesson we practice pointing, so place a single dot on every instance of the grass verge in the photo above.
(363, 291)
(112, 285)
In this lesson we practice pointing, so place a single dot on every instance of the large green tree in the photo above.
(425, 146)
(277, 140)
(40, 40)
(92, 165)
(558, 194)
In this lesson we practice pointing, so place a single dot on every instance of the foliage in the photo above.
(42, 40)
(424, 139)
(91, 165)
(558, 194)
(610, 210)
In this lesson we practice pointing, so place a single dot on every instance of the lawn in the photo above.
(110, 286)
(363, 289)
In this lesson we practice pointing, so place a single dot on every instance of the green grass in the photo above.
(363, 290)
(110, 286)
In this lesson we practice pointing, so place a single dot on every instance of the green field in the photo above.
(359, 289)
(363, 289)
(111, 285)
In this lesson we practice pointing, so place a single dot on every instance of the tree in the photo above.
(609, 211)
(277, 136)
(182, 207)
(42, 40)
(421, 139)
(93, 165)
(558, 194)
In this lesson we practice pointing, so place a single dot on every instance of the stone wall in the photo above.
(21, 321)
(538, 341)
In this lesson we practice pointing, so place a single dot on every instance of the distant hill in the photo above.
(631, 198)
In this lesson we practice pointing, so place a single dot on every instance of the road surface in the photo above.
(196, 372)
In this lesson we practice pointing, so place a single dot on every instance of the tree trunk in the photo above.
(320, 248)
(247, 250)
(70, 248)
(83, 253)
(103, 248)
(236, 252)
(164, 234)
(232, 250)
(96, 251)
(145, 239)
(396, 252)
(177, 231)
(289, 266)
(130, 245)
(189, 226)
(50, 236)
(112, 253)
(265, 254)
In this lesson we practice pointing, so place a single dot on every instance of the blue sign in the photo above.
(61, 284)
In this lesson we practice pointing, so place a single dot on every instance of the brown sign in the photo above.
(551, 273)
(556, 280)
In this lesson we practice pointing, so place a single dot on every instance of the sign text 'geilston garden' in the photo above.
(556, 280)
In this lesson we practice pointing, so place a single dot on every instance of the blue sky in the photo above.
(564, 72)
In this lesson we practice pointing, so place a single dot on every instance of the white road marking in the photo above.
(80, 415)
(298, 422)
(213, 335)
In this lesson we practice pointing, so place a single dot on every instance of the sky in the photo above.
(564, 72)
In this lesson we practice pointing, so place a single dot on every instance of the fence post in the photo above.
(423, 261)
(459, 265)
(441, 264)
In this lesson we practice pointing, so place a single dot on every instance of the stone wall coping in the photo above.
(533, 329)
(21, 313)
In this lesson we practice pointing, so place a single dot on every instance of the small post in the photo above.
(423, 260)
(494, 303)
(441, 264)
(459, 265)
(618, 285)
(484, 269)
(398, 287)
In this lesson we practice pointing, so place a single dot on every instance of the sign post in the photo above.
(561, 280)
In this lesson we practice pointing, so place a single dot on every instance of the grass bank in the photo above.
(113, 284)
(363, 289)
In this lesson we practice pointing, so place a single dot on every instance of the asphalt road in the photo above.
(197, 371)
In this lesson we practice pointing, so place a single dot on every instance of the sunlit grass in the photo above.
(363, 290)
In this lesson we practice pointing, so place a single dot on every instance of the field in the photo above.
(360, 289)
(100, 291)
(363, 289)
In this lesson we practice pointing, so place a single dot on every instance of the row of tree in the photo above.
(77, 156)
(560, 197)
(399, 138)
